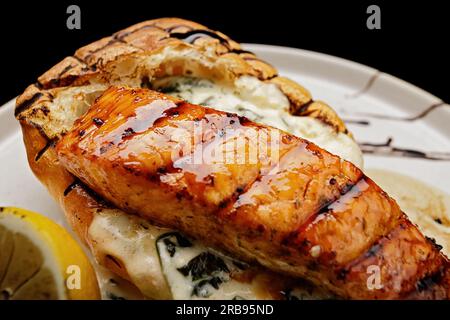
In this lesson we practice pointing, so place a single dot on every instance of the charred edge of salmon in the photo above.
(431, 281)
(430, 276)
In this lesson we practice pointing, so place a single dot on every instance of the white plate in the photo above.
(361, 95)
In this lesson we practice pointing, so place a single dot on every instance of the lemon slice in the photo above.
(40, 260)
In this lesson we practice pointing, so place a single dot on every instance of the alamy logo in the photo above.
(73, 281)
(374, 20)
(374, 279)
(74, 19)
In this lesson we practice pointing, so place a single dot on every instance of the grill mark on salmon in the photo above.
(411, 260)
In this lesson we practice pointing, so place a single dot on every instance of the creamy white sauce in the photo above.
(155, 272)
(184, 287)
(113, 287)
(130, 240)
(149, 263)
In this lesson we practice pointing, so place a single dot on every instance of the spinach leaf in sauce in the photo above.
(206, 269)
(204, 265)
(172, 240)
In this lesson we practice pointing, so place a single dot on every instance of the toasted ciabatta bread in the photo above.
(140, 56)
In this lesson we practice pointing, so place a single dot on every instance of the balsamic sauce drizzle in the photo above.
(386, 149)
(367, 87)
(358, 122)
(418, 116)
(191, 36)
(170, 29)
(122, 35)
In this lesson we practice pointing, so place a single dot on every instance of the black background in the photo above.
(286, 310)
(411, 44)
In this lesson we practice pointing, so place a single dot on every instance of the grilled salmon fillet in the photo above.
(290, 206)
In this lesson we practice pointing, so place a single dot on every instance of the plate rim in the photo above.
(343, 62)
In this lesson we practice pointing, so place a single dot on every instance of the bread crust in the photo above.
(98, 64)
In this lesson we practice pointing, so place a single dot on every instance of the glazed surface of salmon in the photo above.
(253, 191)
